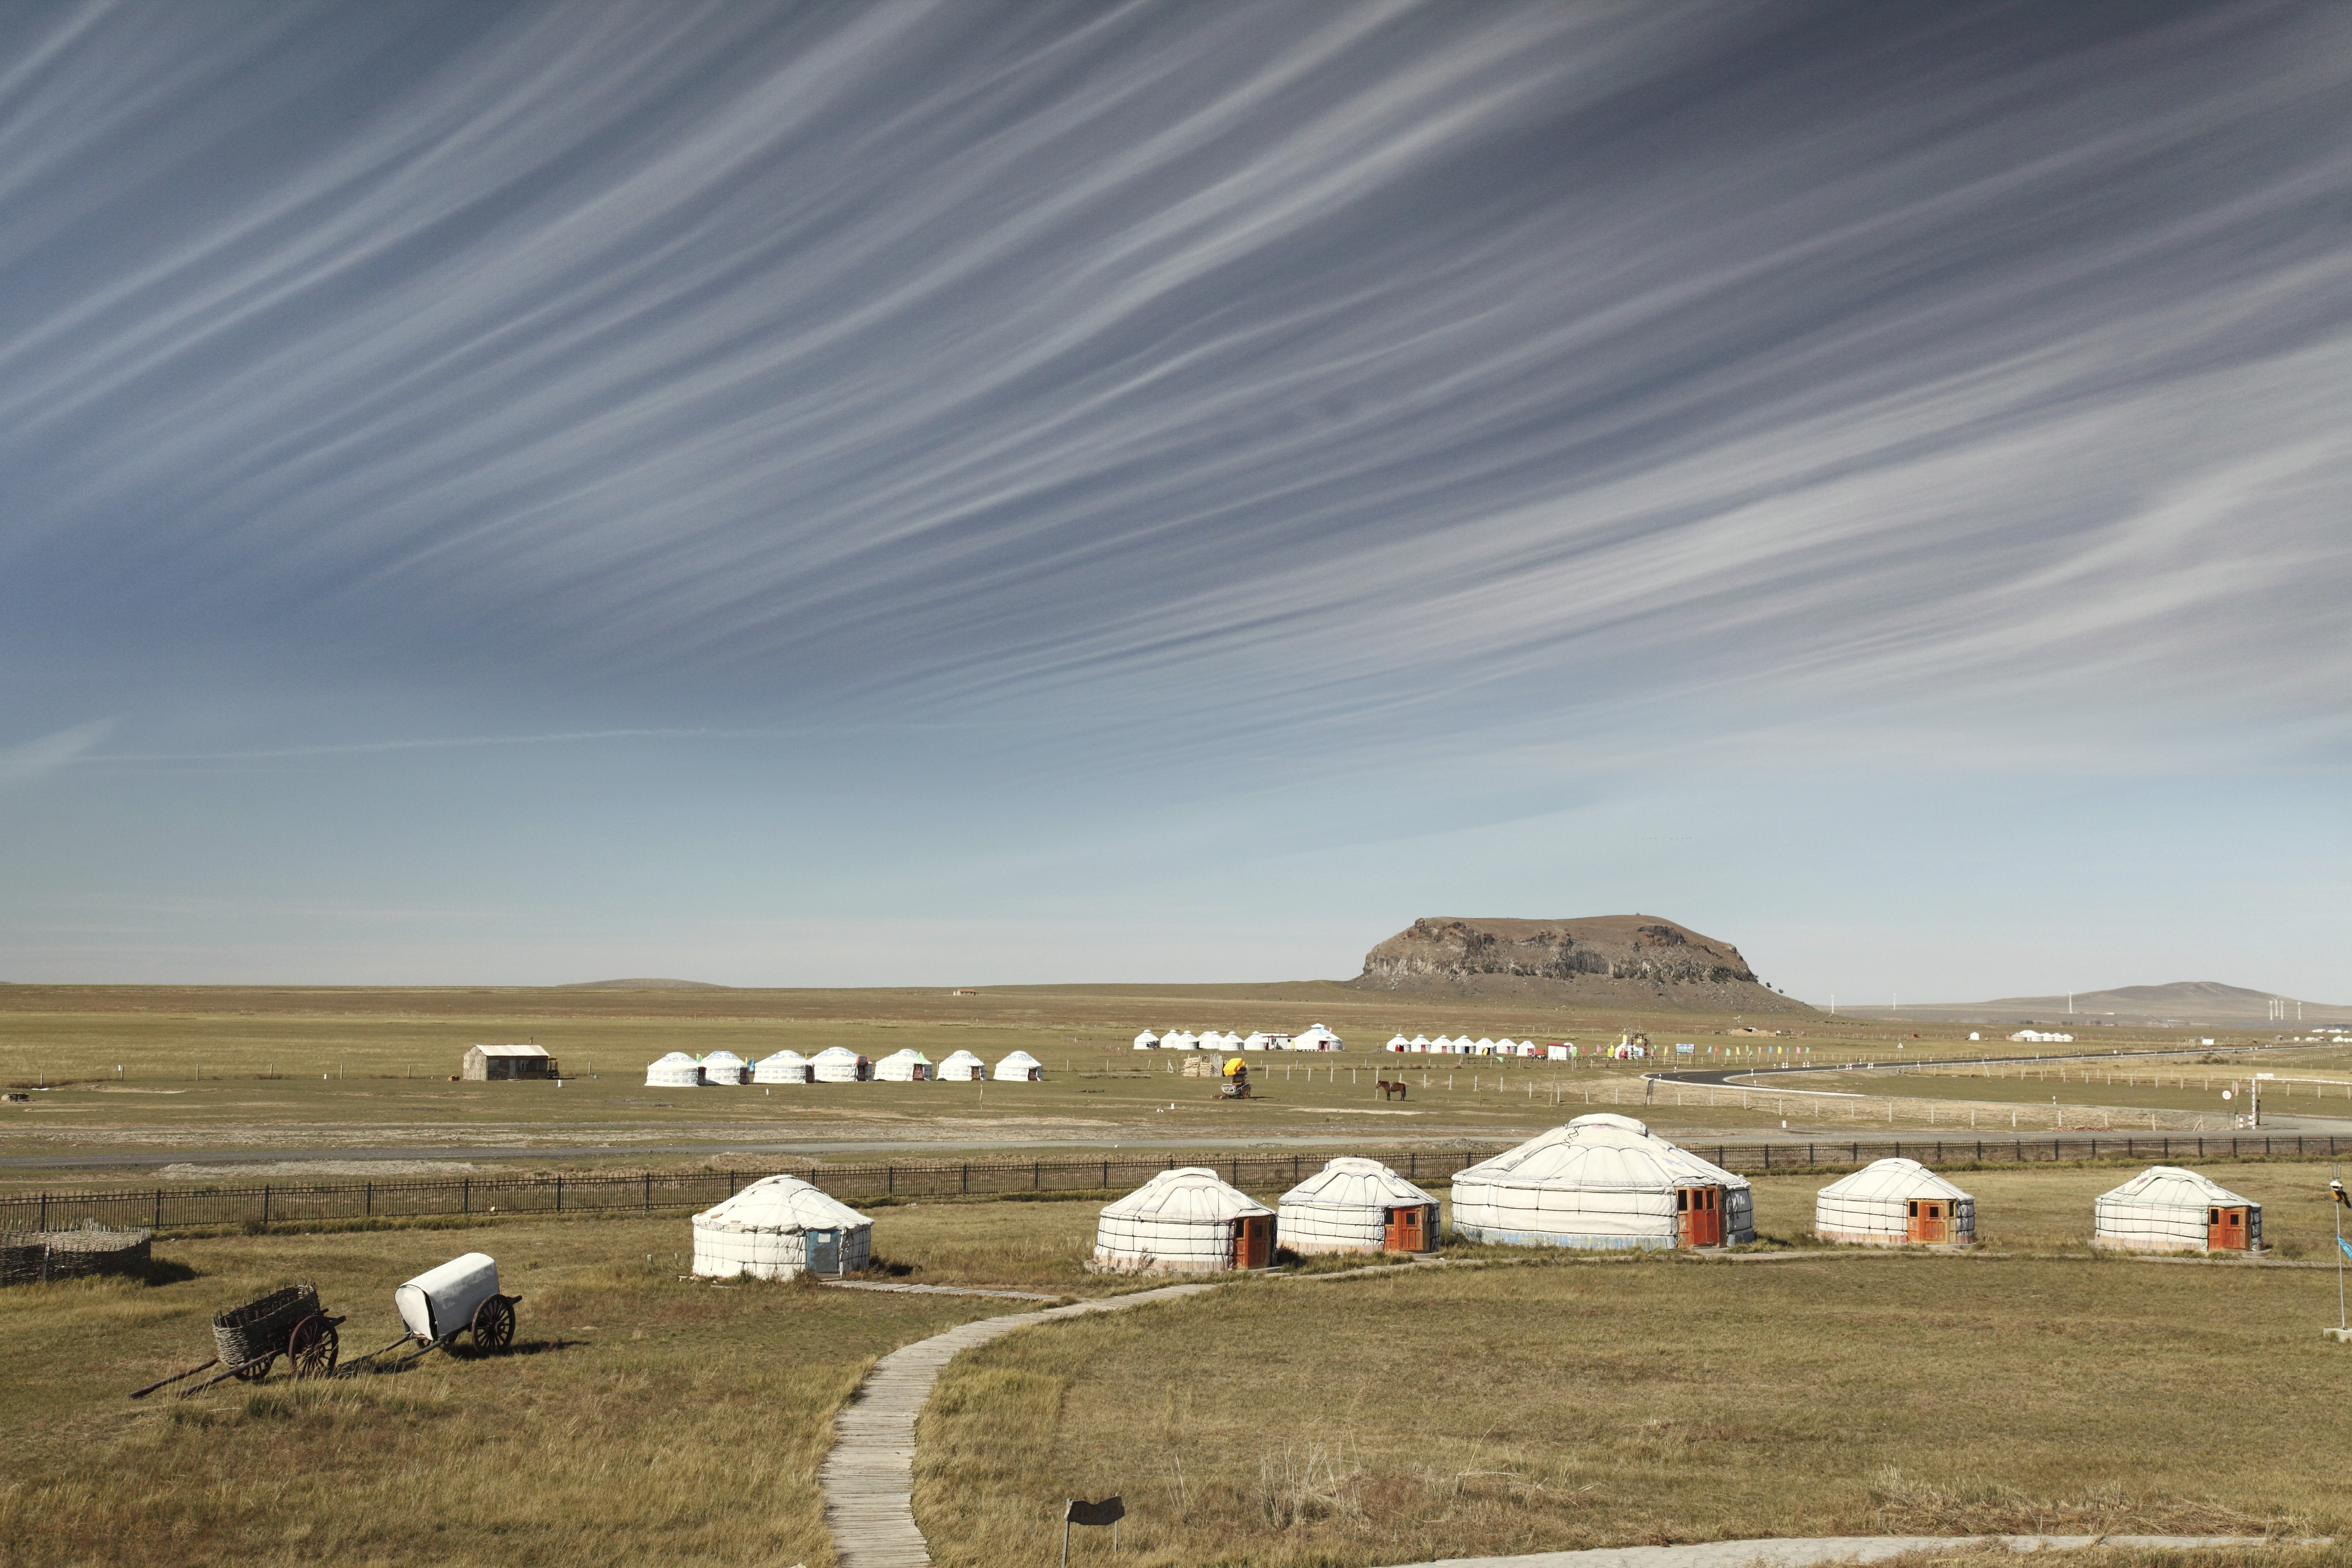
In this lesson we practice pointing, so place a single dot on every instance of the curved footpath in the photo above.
(868, 1480)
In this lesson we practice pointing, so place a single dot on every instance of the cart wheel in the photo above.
(255, 1370)
(311, 1348)
(493, 1325)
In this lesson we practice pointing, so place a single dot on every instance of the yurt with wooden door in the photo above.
(1316, 1038)
(1019, 1068)
(2167, 1209)
(839, 1063)
(724, 1068)
(780, 1067)
(1895, 1202)
(1602, 1180)
(1184, 1222)
(675, 1070)
(780, 1227)
(908, 1066)
(1355, 1204)
(961, 1067)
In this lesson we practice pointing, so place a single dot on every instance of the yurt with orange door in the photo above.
(1602, 1180)
(2167, 1209)
(1184, 1222)
(1895, 1202)
(1355, 1204)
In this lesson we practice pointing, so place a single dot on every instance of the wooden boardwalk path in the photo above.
(868, 1480)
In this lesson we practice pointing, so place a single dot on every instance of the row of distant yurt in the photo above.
(1315, 1038)
(1447, 1045)
(837, 1064)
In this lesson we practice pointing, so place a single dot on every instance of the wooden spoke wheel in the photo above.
(311, 1350)
(254, 1370)
(494, 1325)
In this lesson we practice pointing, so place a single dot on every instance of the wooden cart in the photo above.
(249, 1338)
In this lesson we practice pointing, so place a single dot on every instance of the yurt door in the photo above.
(1252, 1242)
(1699, 1216)
(2225, 1229)
(824, 1251)
(1408, 1229)
(1931, 1220)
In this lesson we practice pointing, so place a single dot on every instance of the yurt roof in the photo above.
(2172, 1185)
(835, 1053)
(1897, 1179)
(1421, 1039)
(1189, 1195)
(785, 1059)
(1021, 1058)
(908, 1054)
(1352, 1181)
(960, 1059)
(674, 1059)
(782, 1203)
(722, 1059)
(1147, 1037)
(1602, 1152)
(1399, 1040)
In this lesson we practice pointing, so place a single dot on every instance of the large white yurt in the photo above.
(1397, 1042)
(1147, 1041)
(908, 1066)
(1316, 1038)
(961, 1067)
(2167, 1209)
(777, 1228)
(1355, 1204)
(1602, 1180)
(1184, 1222)
(675, 1070)
(724, 1066)
(1019, 1068)
(780, 1067)
(839, 1063)
(1895, 1203)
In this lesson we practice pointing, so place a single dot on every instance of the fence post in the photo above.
(159, 1209)
(967, 1178)
(466, 1191)
(265, 1203)
(649, 1191)
(45, 1214)
(370, 1200)
(1036, 1180)
(1106, 1175)
(558, 1195)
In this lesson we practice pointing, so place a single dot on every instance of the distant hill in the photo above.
(643, 986)
(2206, 1003)
(1593, 961)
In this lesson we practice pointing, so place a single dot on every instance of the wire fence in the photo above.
(170, 1208)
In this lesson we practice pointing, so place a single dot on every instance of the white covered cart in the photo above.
(460, 1296)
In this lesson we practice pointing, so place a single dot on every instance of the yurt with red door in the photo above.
(2167, 1209)
(1184, 1222)
(1895, 1202)
(1355, 1204)
(1602, 1180)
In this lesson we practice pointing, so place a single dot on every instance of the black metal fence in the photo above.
(169, 1208)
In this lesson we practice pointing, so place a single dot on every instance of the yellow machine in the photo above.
(1237, 1084)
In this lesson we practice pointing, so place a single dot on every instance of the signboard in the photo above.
(1682, 1050)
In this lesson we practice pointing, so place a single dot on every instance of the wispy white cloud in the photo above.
(31, 759)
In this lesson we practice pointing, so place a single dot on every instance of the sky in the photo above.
(958, 494)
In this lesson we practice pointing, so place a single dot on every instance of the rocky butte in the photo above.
(1621, 959)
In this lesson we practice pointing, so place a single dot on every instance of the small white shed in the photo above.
(780, 1227)
(1184, 1222)
(1895, 1203)
(780, 1067)
(839, 1063)
(961, 1067)
(1355, 1204)
(908, 1066)
(1602, 1180)
(1019, 1068)
(2167, 1209)
(486, 1064)
(724, 1066)
(675, 1070)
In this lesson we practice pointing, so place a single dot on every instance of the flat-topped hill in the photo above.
(1584, 961)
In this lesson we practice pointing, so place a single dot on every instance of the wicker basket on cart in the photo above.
(253, 1335)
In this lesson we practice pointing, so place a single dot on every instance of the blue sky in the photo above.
(948, 493)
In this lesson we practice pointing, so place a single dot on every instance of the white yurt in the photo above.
(1895, 1203)
(1019, 1068)
(2167, 1209)
(1442, 1047)
(1355, 1204)
(724, 1066)
(1316, 1038)
(780, 1067)
(675, 1070)
(777, 1228)
(961, 1067)
(1178, 1040)
(1421, 1043)
(1184, 1222)
(1602, 1180)
(839, 1063)
(1484, 1046)
(1397, 1042)
(908, 1066)
(1259, 1040)
(1147, 1041)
